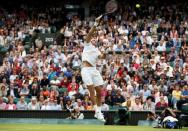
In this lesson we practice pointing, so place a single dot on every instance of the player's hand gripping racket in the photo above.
(110, 7)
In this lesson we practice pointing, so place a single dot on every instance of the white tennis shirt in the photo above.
(90, 54)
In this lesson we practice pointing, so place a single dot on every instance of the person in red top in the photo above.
(161, 104)
(64, 82)
(73, 84)
(18, 82)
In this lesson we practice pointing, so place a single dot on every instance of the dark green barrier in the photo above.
(134, 117)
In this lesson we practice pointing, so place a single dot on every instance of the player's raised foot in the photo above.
(99, 116)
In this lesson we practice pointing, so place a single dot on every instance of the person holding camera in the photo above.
(76, 114)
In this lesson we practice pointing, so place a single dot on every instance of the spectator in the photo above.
(13, 91)
(163, 96)
(69, 105)
(2, 104)
(149, 105)
(76, 114)
(128, 104)
(41, 101)
(176, 94)
(161, 105)
(35, 90)
(119, 99)
(145, 92)
(55, 83)
(183, 98)
(137, 106)
(24, 91)
(104, 106)
(45, 81)
(21, 105)
(80, 105)
(46, 106)
(33, 105)
(3, 90)
(10, 105)
(45, 92)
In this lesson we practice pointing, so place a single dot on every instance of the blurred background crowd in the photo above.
(146, 67)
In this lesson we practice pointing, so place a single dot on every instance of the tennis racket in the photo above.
(110, 7)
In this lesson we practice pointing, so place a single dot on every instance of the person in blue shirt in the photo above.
(68, 73)
(184, 98)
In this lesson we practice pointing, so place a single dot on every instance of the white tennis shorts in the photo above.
(91, 76)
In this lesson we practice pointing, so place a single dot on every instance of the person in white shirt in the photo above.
(104, 106)
(161, 47)
(156, 56)
(76, 62)
(55, 83)
(56, 106)
(33, 105)
(46, 106)
(111, 85)
(137, 106)
(90, 75)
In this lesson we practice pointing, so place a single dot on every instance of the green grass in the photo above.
(45, 127)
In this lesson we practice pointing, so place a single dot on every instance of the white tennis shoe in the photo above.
(99, 116)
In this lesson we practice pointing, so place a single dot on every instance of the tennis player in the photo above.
(90, 75)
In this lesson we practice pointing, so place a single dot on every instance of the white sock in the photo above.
(98, 108)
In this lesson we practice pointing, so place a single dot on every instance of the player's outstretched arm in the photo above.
(92, 30)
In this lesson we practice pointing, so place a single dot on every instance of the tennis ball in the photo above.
(137, 5)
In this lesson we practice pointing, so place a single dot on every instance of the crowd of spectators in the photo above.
(146, 65)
